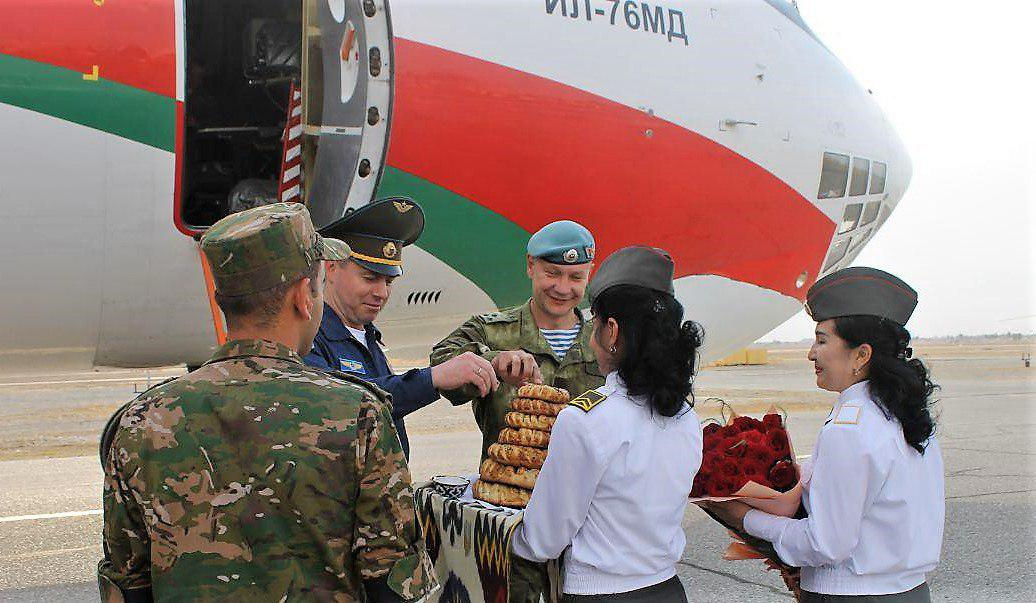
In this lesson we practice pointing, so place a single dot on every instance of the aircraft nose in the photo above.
(900, 169)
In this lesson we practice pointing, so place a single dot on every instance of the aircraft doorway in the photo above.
(242, 57)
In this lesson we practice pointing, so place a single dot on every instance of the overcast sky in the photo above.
(956, 80)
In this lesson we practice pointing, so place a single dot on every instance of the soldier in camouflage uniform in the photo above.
(255, 477)
(528, 342)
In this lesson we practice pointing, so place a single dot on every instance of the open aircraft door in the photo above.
(245, 60)
(347, 103)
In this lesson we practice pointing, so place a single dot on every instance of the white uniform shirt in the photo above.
(876, 506)
(613, 491)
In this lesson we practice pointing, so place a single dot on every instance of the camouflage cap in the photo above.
(336, 250)
(260, 248)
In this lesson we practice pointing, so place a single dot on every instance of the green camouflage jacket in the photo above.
(257, 478)
(514, 329)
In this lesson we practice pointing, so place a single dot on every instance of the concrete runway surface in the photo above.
(50, 507)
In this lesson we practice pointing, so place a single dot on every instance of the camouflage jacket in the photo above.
(257, 478)
(514, 329)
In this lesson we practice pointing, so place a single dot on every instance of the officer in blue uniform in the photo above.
(356, 291)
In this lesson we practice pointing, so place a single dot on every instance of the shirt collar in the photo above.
(857, 392)
(536, 343)
(255, 347)
(334, 329)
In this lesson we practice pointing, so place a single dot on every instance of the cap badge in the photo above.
(571, 255)
(590, 253)
(389, 250)
(402, 206)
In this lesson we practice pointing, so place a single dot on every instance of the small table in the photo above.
(470, 545)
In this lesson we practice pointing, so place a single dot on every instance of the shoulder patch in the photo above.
(848, 415)
(587, 400)
(351, 366)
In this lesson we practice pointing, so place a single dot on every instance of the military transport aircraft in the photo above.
(725, 132)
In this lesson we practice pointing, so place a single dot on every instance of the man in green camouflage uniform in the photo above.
(515, 340)
(255, 477)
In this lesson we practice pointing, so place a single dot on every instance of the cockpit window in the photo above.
(833, 176)
(877, 178)
(870, 212)
(861, 168)
(850, 217)
(837, 253)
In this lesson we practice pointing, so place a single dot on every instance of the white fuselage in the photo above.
(96, 273)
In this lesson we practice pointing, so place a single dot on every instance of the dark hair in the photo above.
(900, 386)
(262, 307)
(659, 352)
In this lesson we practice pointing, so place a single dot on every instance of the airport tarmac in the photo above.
(50, 480)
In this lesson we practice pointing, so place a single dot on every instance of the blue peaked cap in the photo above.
(563, 242)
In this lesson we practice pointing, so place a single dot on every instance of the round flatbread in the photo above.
(500, 494)
(543, 392)
(517, 456)
(522, 420)
(533, 406)
(505, 474)
(524, 437)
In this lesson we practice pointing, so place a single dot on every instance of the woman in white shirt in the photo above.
(612, 493)
(874, 489)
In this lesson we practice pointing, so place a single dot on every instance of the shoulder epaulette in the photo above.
(108, 434)
(848, 415)
(587, 400)
(505, 315)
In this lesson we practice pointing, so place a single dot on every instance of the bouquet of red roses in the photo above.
(746, 458)
(751, 460)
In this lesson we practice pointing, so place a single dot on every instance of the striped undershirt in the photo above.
(560, 339)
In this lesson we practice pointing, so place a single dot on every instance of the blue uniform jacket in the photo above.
(335, 348)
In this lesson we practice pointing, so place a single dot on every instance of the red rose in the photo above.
(725, 468)
(718, 487)
(772, 421)
(778, 443)
(734, 447)
(783, 475)
(710, 429)
(744, 423)
(760, 455)
(754, 438)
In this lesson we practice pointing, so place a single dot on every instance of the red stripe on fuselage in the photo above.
(132, 42)
(535, 150)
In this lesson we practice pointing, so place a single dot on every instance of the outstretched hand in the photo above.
(517, 367)
(468, 368)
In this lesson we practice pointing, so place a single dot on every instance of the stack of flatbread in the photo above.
(507, 477)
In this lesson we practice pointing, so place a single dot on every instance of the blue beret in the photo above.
(563, 242)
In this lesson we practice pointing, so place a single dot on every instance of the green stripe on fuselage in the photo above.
(121, 110)
(491, 251)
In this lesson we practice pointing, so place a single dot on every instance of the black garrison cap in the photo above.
(639, 265)
(377, 233)
(861, 291)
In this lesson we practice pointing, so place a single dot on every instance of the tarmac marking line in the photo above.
(36, 554)
(988, 494)
(74, 382)
(776, 591)
(11, 518)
